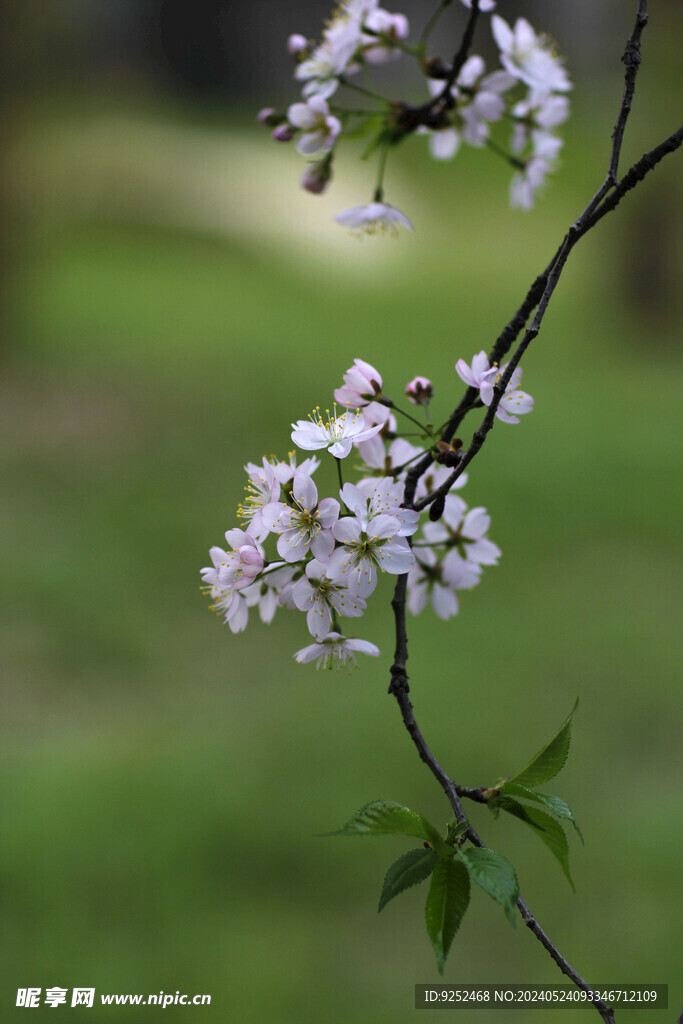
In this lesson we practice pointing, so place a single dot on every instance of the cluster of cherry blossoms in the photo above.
(327, 554)
(528, 92)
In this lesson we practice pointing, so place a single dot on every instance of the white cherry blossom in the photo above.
(426, 582)
(464, 531)
(343, 36)
(320, 597)
(376, 455)
(336, 433)
(266, 592)
(478, 102)
(372, 219)
(392, 27)
(525, 184)
(528, 56)
(335, 648)
(232, 604)
(263, 487)
(364, 551)
(319, 129)
(372, 497)
(286, 471)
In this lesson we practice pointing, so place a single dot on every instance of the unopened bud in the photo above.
(420, 390)
(436, 508)
(435, 68)
(298, 46)
(316, 177)
(270, 117)
(283, 133)
(448, 454)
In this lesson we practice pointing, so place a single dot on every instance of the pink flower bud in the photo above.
(269, 116)
(316, 177)
(283, 133)
(420, 390)
(298, 46)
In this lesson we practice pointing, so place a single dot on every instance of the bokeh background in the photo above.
(170, 302)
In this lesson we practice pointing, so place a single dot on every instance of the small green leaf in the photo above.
(549, 761)
(372, 123)
(447, 900)
(545, 827)
(385, 817)
(455, 831)
(410, 869)
(554, 803)
(496, 876)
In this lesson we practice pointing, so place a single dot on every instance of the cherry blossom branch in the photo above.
(541, 291)
(432, 114)
(545, 283)
(537, 298)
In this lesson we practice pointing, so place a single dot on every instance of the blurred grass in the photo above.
(164, 779)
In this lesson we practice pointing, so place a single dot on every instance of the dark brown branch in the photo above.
(463, 51)
(631, 58)
(635, 174)
(400, 689)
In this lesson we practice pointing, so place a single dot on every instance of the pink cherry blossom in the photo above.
(478, 373)
(514, 403)
(236, 568)
(305, 524)
(362, 384)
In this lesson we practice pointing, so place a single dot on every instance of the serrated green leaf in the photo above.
(496, 876)
(412, 868)
(385, 817)
(551, 759)
(545, 827)
(447, 900)
(554, 803)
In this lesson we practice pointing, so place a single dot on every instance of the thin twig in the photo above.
(605, 1011)
(548, 280)
(463, 50)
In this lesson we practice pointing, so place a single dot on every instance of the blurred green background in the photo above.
(171, 301)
